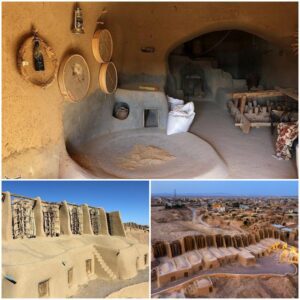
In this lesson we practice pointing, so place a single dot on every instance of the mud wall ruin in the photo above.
(190, 243)
(31, 218)
(33, 139)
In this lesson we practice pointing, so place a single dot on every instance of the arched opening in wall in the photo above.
(208, 66)
(237, 81)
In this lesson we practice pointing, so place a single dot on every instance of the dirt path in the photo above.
(140, 290)
(264, 265)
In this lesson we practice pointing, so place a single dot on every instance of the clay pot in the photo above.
(122, 113)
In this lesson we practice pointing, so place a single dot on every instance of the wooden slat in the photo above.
(256, 124)
(243, 104)
(267, 93)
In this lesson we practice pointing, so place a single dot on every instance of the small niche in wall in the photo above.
(88, 266)
(43, 289)
(70, 276)
(121, 110)
(150, 118)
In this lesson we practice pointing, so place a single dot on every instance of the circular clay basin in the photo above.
(149, 153)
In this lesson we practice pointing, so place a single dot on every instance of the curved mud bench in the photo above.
(188, 156)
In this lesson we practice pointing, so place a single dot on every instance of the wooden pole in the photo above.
(243, 104)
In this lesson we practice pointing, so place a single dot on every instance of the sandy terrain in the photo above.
(264, 265)
(138, 235)
(144, 156)
(220, 226)
(177, 223)
(275, 287)
(140, 290)
(172, 221)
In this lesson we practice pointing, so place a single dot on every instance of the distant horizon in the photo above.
(222, 195)
(239, 188)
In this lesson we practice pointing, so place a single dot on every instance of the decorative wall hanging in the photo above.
(102, 45)
(74, 78)
(78, 21)
(108, 78)
(37, 61)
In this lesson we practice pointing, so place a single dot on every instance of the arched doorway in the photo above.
(215, 63)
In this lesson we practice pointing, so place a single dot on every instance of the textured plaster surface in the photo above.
(94, 116)
(32, 116)
(31, 261)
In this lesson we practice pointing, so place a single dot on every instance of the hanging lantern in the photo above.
(78, 21)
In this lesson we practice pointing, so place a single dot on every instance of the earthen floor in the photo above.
(246, 155)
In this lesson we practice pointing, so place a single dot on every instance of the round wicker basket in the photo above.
(108, 78)
(26, 65)
(102, 45)
(74, 78)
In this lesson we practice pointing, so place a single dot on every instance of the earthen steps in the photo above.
(104, 266)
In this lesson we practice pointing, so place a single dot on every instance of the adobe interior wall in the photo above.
(279, 68)
(167, 25)
(32, 116)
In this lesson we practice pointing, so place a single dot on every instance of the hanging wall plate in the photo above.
(108, 78)
(26, 64)
(74, 78)
(102, 45)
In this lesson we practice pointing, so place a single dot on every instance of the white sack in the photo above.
(173, 102)
(180, 119)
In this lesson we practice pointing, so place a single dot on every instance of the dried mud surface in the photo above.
(274, 287)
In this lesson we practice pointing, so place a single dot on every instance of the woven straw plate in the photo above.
(74, 78)
(102, 45)
(108, 78)
(26, 66)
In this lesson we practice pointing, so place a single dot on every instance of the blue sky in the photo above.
(227, 188)
(130, 197)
